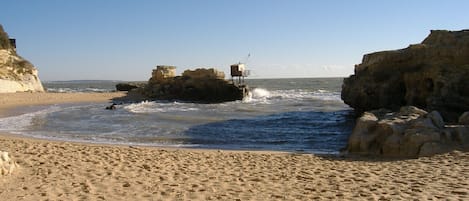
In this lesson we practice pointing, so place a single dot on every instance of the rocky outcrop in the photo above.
(200, 85)
(411, 132)
(7, 165)
(432, 75)
(16, 73)
(129, 86)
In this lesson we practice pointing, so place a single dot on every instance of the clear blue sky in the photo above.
(125, 40)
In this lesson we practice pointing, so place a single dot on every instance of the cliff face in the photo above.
(432, 75)
(16, 73)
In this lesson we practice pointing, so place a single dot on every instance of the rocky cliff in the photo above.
(432, 75)
(16, 73)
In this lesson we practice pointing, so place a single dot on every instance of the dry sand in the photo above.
(74, 171)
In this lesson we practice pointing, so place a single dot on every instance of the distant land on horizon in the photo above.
(247, 78)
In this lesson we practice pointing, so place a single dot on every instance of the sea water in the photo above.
(295, 115)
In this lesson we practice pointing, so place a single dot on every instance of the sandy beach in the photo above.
(52, 170)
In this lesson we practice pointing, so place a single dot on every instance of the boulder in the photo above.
(7, 165)
(362, 138)
(464, 118)
(410, 132)
(16, 73)
(436, 119)
(162, 73)
(431, 75)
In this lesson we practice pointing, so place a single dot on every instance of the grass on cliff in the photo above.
(19, 65)
(4, 39)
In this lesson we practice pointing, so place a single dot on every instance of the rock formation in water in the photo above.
(433, 75)
(411, 132)
(16, 73)
(129, 86)
(200, 85)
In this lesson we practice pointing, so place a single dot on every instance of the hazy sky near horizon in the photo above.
(125, 40)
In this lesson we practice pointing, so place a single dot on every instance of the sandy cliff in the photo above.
(16, 73)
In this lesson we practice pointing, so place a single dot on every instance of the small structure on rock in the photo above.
(238, 70)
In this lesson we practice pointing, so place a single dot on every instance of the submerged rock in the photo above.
(16, 73)
(432, 75)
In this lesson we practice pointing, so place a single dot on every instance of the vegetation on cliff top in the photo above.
(4, 39)
(12, 66)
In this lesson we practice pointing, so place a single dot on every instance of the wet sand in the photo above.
(51, 170)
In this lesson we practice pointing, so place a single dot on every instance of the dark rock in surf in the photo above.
(129, 86)
(111, 107)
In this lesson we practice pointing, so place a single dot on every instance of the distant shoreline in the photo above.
(228, 77)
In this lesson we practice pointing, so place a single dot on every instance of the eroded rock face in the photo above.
(16, 73)
(432, 75)
(411, 132)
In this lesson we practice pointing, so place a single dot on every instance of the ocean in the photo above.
(293, 115)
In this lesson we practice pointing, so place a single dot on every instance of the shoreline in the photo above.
(61, 170)
(10, 102)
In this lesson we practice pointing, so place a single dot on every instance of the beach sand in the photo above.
(51, 170)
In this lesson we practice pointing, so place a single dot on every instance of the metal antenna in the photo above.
(247, 58)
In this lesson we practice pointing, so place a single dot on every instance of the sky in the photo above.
(126, 39)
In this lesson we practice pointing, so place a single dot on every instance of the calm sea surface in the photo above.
(297, 115)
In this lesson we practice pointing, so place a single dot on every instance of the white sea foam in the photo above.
(295, 94)
(75, 90)
(326, 95)
(22, 122)
(260, 93)
(257, 95)
(156, 107)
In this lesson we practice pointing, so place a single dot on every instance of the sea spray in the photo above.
(258, 94)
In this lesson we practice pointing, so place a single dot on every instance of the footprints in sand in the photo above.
(67, 171)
